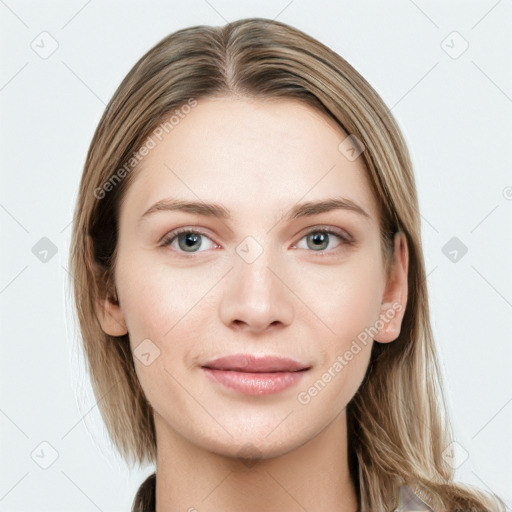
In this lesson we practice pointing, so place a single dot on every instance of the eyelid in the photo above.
(346, 238)
(342, 233)
(171, 235)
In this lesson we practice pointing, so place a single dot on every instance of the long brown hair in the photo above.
(398, 427)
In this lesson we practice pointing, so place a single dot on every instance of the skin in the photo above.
(257, 159)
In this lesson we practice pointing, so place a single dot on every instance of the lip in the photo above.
(252, 375)
(254, 364)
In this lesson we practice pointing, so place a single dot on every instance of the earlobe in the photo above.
(394, 298)
(111, 317)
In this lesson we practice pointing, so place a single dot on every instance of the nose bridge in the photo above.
(254, 295)
(254, 263)
(254, 260)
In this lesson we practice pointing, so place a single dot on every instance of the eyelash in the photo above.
(345, 239)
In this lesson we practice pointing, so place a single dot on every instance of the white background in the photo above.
(456, 116)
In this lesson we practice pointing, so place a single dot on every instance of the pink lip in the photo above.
(253, 364)
(255, 375)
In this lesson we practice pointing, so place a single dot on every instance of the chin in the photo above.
(251, 447)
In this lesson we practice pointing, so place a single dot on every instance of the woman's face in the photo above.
(259, 280)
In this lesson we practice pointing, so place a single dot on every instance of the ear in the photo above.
(110, 315)
(107, 306)
(394, 297)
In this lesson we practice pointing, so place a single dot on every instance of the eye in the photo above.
(188, 240)
(319, 239)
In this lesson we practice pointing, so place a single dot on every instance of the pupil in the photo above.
(190, 240)
(319, 238)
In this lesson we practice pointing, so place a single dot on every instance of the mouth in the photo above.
(251, 375)
(252, 364)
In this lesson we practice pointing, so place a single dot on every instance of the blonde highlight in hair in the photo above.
(397, 422)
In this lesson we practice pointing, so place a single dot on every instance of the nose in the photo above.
(255, 296)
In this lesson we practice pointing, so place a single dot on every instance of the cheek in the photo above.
(345, 299)
(161, 302)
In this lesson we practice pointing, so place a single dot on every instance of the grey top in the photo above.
(409, 501)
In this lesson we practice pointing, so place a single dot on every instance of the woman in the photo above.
(250, 284)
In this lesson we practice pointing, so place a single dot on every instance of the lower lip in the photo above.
(255, 383)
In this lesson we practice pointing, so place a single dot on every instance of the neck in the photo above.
(314, 476)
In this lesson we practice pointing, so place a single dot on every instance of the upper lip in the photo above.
(255, 364)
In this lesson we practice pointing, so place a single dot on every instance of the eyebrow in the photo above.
(306, 209)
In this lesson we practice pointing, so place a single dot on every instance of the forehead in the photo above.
(251, 155)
